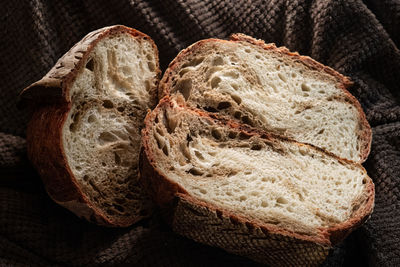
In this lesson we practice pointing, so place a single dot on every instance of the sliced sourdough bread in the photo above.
(272, 89)
(84, 136)
(247, 191)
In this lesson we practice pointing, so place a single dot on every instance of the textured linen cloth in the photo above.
(358, 38)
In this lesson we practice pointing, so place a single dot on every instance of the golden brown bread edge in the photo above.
(51, 101)
(343, 81)
(209, 224)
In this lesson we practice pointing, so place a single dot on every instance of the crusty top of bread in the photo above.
(273, 89)
(84, 136)
(55, 85)
(258, 178)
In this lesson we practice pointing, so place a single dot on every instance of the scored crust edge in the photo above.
(176, 203)
(343, 82)
(51, 100)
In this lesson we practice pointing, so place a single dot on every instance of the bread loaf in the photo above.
(271, 89)
(248, 191)
(84, 136)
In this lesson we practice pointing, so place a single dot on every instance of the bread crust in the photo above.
(343, 82)
(52, 102)
(168, 194)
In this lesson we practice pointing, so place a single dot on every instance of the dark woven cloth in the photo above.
(358, 38)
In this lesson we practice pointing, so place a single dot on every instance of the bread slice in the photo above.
(84, 137)
(250, 192)
(272, 89)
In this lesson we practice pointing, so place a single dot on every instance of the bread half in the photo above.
(84, 136)
(271, 89)
(247, 191)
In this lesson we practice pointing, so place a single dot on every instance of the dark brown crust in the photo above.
(166, 190)
(44, 133)
(343, 82)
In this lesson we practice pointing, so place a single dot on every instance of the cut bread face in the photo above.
(101, 137)
(271, 89)
(264, 180)
(106, 94)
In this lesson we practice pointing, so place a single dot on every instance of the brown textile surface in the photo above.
(358, 38)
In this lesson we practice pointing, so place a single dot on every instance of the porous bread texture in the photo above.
(101, 135)
(256, 176)
(271, 89)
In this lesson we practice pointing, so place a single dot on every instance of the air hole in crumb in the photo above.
(321, 131)
(282, 77)
(203, 191)
(85, 178)
(247, 50)
(256, 147)
(321, 91)
(117, 158)
(147, 85)
(305, 87)
(223, 105)
(216, 134)
(237, 99)
(104, 164)
(364, 181)
(210, 109)
(294, 75)
(160, 131)
(232, 173)
(217, 61)
(247, 120)
(194, 62)
(215, 81)
(264, 204)
(244, 136)
(237, 114)
(151, 66)
(107, 137)
(242, 198)
(90, 64)
(108, 104)
(184, 71)
(235, 86)
(281, 200)
(232, 135)
(184, 87)
(195, 172)
(198, 155)
(165, 150)
(121, 109)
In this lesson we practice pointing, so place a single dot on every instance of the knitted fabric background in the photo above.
(358, 38)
